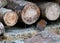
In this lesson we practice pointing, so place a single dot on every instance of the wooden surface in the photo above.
(8, 16)
(3, 3)
(49, 10)
(27, 11)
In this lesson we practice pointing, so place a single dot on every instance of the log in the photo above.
(2, 29)
(58, 1)
(50, 10)
(16, 33)
(44, 37)
(3, 3)
(8, 16)
(41, 25)
(27, 11)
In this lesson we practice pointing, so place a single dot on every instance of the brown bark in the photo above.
(58, 1)
(9, 17)
(50, 10)
(41, 25)
(3, 3)
(2, 29)
(28, 11)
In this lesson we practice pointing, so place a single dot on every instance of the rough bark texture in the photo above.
(3, 3)
(9, 17)
(2, 29)
(50, 10)
(30, 12)
(16, 33)
(51, 34)
(41, 25)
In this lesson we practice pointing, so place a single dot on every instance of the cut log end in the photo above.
(10, 18)
(30, 13)
(52, 12)
(2, 29)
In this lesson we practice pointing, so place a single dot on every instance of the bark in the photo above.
(41, 25)
(50, 10)
(8, 16)
(27, 11)
(58, 1)
(2, 29)
(51, 34)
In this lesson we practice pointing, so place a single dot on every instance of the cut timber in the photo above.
(2, 29)
(16, 33)
(9, 17)
(51, 34)
(41, 25)
(50, 10)
(3, 3)
(30, 12)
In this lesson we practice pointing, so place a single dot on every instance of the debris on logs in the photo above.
(9, 17)
(27, 11)
(50, 10)
(41, 24)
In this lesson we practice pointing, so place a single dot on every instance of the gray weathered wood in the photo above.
(3, 3)
(50, 10)
(2, 28)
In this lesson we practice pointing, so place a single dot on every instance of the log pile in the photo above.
(29, 12)
(2, 31)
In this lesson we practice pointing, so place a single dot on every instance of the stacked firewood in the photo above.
(28, 12)
(12, 11)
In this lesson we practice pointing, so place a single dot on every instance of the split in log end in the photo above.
(30, 13)
(10, 18)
